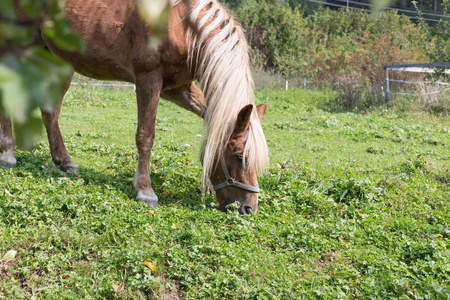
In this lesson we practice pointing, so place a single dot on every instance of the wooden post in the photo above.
(386, 82)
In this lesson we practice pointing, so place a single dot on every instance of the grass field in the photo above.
(354, 205)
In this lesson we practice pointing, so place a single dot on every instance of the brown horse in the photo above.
(204, 43)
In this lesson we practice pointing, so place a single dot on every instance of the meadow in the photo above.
(354, 205)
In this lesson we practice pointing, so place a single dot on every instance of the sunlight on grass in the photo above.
(354, 204)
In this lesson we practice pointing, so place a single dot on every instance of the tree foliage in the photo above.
(30, 77)
(341, 49)
(275, 33)
(437, 45)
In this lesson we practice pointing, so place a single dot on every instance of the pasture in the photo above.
(353, 205)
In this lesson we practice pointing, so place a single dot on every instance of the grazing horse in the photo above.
(203, 42)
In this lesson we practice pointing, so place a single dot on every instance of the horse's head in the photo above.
(232, 180)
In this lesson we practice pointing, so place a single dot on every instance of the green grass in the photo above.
(354, 204)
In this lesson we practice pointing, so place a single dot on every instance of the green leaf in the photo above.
(29, 133)
(155, 14)
(19, 35)
(64, 39)
(7, 8)
(53, 73)
(31, 82)
(378, 5)
(9, 256)
(14, 94)
(33, 8)
(34, 81)
(59, 30)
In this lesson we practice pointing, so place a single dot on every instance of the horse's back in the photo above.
(111, 31)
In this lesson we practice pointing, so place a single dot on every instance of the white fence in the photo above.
(103, 84)
(417, 68)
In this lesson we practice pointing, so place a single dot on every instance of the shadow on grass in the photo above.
(180, 190)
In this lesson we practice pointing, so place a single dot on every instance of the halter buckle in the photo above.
(230, 181)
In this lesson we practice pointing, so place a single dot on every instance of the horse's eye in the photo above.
(239, 157)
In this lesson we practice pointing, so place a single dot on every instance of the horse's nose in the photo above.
(248, 210)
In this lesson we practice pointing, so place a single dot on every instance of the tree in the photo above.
(30, 76)
(438, 45)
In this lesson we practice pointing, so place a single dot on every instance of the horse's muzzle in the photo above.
(244, 209)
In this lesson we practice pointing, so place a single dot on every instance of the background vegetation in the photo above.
(30, 77)
(343, 50)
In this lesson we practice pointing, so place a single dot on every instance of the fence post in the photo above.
(386, 81)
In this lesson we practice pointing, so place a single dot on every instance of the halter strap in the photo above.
(230, 181)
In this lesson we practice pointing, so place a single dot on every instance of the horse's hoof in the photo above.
(8, 161)
(70, 169)
(148, 197)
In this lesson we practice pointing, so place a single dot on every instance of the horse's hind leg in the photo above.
(7, 158)
(148, 87)
(60, 155)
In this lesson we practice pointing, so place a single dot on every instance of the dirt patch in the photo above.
(172, 294)
(21, 284)
(328, 258)
(5, 274)
(4, 269)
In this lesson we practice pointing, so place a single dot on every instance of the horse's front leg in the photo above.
(7, 157)
(148, 88)
(187, 96)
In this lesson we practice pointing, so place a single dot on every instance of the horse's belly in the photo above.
(98, 68)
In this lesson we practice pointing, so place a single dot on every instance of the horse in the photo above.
(203, 42)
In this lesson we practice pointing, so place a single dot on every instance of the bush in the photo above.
(437, 44)
(349, 48)
(344, 50)
(276, 36)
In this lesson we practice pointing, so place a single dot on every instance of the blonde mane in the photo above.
(218, 56)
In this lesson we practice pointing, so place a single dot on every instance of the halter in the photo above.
(230, 181)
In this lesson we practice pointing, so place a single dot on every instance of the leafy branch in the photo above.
(31, 77)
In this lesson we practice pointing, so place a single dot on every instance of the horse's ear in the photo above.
(243, 119)
(261, 110)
